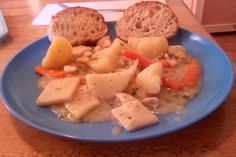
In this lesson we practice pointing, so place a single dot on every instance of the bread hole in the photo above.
(157, 8)
(74, 33)
(138, 25)
(92, 31)
(151, 13)
(146, 29)
(127, 19)
(97, 19)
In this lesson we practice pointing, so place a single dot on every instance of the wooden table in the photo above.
(214, 136)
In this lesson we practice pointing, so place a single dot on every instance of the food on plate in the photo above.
(107, 59)
(147, 19)
(106, 86)
(58, 91)
(80, 50)
(86, 103)
(150, 47)
(79, 25)
(119, 83)
(133, 115)
(149, 79)
(58, 54)
(192, 75)
(130, 80)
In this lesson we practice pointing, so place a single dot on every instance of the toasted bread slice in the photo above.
(79, 25)
(147, 19)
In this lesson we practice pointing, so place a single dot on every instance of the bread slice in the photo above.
(147, 19)
(79, 25)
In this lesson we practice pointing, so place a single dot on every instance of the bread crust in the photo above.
(79, 25)
(146, 19)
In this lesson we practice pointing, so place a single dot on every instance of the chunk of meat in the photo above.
(151, 103)
(70, 69)
(104, 42)
(80, 50)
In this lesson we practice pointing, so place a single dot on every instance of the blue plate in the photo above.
(19, 92)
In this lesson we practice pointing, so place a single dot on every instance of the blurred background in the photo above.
(218, 18)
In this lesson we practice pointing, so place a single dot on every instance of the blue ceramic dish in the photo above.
(19, 92)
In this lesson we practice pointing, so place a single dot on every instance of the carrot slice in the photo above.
(49, 72)
(145, 62)
(171, 83)
(192, 75)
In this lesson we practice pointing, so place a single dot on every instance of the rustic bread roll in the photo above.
(147, 19)
(79, 25)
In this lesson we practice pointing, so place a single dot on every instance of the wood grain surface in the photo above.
(214, 136)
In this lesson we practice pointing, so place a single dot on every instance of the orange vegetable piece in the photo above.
(171, 83)
(145, 62)
(192, 75)
(49, 72)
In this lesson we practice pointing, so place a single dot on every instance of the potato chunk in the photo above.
(106, 60)
(80, 105)
(150, 47)
(106, 86)
(58, 91)
(59, 53)
(133, 115)
(149, 78)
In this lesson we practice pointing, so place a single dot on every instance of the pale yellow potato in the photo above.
(59, 54)
(106, 86)
(150, 47)
(107, 59)
(150, 78)
(80, 105)
(122, 45)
